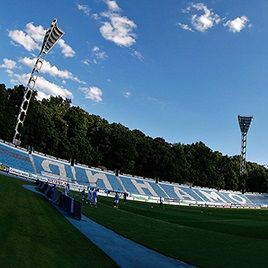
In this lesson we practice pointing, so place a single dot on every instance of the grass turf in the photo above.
(34, 234)
(206, 237)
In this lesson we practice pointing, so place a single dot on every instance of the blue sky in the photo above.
(180, 70)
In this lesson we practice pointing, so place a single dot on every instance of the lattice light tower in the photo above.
(53, 34)
(244, 123)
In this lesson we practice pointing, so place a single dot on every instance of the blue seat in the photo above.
(55, 170)
(15, 158)
(258, 199)
(81, 176)
(129, 186)
(115, 183)
(20, 159)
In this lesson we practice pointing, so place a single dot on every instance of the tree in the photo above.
(257, 179)
(53, 126)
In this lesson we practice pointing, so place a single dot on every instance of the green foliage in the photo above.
(57, 128)
(10, 100)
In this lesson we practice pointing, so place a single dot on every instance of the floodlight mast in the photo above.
(244, 123)
(53, 34)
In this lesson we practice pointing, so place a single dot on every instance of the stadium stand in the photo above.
(80, 176)
(128, 185)
(258, 199)
(116, 185)
(46, 165)
(15, 158)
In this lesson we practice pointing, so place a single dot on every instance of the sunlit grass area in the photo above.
(206, 237)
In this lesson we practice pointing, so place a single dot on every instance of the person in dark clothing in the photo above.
(116, 200)
(125, 197)
(161, 201)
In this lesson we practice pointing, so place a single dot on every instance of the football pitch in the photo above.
(34, 234)
(204, 237)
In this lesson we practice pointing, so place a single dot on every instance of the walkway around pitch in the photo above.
(124, 252)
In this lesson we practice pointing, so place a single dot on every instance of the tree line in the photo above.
(55, 127)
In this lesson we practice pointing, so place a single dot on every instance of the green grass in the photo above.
(34, 234)
(206, 237)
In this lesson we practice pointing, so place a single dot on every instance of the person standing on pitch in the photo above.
(116, 200)
(161, 202)
(125, 197)
(95, 197)
(66, 189)
(89, 195)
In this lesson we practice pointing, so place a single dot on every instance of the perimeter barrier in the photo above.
(65, 202)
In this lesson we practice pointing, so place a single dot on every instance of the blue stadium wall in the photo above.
(58, 169)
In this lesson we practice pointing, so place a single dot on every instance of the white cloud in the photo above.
(98, 54)
(87, 11)
(237, 25)
(52, 70)
(185, 27)
(137, 54)
(33, 37)
(44, 87)
(84, 8)
(117, 28)
(9, 72)
(8, 64)
(30, 40)
(52, 89)
(42, 95)
(95, 16)
(86, 61)
(37, 33)
(114, 27)
(66, 50)
(204, 21)
(112, 5)
(93, 93)
(23, 39)
(127, 94)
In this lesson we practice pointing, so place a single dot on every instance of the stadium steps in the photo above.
(73, 173)
(33, 164)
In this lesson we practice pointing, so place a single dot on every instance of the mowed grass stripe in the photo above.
(242, 222)
(34, 234)
(171, 232)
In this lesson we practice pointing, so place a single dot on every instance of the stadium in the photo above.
(196, 225)
(78, 191)
(38, 166)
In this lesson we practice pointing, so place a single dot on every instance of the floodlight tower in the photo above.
(244, 123)
(53, 34)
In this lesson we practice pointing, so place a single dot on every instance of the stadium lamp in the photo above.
(53, 34)
(244, 123)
